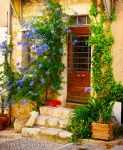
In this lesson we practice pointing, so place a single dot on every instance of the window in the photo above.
(80, 20)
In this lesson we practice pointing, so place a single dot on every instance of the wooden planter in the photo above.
(103, 131)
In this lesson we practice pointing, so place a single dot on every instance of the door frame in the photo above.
(80, 30)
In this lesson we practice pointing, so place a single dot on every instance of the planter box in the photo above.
(103, 131)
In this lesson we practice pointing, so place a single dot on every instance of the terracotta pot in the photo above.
(5, 121)
(103, 131)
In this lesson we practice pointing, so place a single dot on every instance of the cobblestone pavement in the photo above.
(34, 144)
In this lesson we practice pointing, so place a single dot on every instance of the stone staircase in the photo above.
(49, 124)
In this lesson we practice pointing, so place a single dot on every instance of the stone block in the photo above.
(53, 122)
(63, 122)
(32, 119)
(50, 131)
(19, 124)
(31, 132)
(58, 112)
(46, 110)
(66, 113)
(65, 134)
(41, 120)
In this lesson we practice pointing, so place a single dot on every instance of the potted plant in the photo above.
(103, 127)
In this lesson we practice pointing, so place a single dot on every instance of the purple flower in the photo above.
(60, 50)
(24, 77)
(21, 82)
(9, 87)
(35, 36)
(12, 101)
(26, 54)
(47, 73)
(41, 36)
(5, 97)
(69, 31)
(44, 3)
(32, 83)
(30, 92)
(6, 104)
(24, 101)
(57, 9)
(40, 65)
(31, 43)
(32, 59)
(24, 43)
(40, 11)
(57, 21)
(52, 31)
(35, 70)
(48, 6)
(27, 32)
(42, 81)
(17, 64)
(74, 42)
(88, 89)
(34, 30)
(19, 88)
(8, 83)
(49, 61)
(19, 43)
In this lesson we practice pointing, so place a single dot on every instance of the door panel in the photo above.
(79, 62)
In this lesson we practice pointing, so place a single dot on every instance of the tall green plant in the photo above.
(102, 80)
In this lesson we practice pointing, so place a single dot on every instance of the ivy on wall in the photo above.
(105, 89)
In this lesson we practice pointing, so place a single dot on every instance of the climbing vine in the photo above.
(105, 89)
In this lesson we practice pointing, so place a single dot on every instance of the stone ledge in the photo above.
(10, 133)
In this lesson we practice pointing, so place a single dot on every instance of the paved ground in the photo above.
(34, 144)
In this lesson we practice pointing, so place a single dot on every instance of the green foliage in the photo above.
(93, 11)
(45, 34)
(7, 77)
(80, 124)
(113, 15)
(103, 82)
(105, 89)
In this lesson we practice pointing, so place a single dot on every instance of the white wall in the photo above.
(3, 12)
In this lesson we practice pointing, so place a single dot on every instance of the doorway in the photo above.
(79, 66)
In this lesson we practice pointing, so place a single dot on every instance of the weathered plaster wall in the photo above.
(117, 49)
(3, 12)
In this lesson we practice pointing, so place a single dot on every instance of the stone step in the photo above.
(58, 112)
(49, 121)
(51, 134)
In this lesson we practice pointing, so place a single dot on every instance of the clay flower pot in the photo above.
(5, 121)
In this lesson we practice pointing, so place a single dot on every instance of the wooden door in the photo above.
(79, 65)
